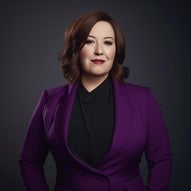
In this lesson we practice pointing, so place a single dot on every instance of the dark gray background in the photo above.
(158, 37)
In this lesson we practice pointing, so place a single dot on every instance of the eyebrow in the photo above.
(104, 37)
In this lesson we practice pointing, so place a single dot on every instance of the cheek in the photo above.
(111, 53)
(84, 53)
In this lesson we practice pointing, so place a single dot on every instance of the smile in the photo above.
(98, 61)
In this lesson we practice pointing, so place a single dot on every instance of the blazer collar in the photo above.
(123, 122)
(61, 124)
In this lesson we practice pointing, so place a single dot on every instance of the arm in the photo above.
(35, 151)
(157, 150)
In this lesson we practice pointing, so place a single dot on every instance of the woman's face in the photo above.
(98, 53)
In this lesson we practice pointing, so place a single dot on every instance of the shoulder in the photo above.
(135, 93)
(54, 94)
(56, 91)
(133, 89)
(140, 94)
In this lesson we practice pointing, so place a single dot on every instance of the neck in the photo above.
(91, 82)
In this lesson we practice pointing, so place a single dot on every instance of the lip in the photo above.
(98, 61)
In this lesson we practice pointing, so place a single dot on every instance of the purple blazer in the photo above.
(139, 128)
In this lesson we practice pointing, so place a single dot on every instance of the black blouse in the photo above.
(92, 122)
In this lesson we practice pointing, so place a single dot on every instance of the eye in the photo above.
(89, 41)
(108, 43)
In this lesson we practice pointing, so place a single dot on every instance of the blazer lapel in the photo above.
(123, 120)
(61, 125)
(62, 115)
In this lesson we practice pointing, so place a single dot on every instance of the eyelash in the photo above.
(108, 43)
(89, 41)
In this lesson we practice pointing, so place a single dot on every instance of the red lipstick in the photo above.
(98, 61)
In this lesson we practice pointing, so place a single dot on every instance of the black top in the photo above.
(92, 122)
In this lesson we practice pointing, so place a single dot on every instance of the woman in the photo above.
(97, 127)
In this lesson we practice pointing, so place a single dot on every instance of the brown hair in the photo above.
(75, 37)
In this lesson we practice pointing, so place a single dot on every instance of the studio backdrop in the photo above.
(158, 38)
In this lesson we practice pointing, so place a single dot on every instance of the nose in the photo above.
(98, 49)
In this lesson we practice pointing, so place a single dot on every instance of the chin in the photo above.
(100, 75)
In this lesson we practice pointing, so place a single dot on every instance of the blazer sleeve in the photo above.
(157, 151)
(35, 150)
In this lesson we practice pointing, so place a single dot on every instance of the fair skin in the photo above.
(97, 55)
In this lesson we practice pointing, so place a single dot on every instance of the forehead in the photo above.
(102, 28)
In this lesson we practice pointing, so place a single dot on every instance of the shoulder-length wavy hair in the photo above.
(74, 39)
